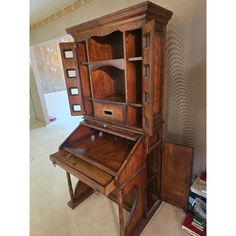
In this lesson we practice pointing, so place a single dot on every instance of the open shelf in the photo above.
(84, 63)
(135, 116)
(112, 99)
(132, 104)
(134, 73)
(133, 59)
(108, 82)
(106, 47)
(118, 63)
(133, 45)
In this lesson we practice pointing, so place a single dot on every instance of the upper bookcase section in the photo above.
(123, 20)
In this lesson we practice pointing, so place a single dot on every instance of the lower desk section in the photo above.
(113, 162)
(95, 157)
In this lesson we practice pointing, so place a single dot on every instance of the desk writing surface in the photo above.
(106, 149)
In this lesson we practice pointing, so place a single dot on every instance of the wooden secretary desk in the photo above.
(114, 77)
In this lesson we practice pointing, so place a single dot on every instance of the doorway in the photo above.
(49, 77)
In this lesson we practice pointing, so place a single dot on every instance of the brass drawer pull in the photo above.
(108, 112)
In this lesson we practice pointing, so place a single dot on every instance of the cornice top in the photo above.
(143, 10)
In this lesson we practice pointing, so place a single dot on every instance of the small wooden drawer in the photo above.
(110, 112)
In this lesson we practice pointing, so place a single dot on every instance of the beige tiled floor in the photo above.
(97, 216)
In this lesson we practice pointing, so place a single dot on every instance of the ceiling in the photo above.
(40, 9)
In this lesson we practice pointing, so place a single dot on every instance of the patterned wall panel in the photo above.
(49, 64)
(184, 95)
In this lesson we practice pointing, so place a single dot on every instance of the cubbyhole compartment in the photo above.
(134, 83)
(108, 84)
(106, 47)
(133, 44)
(134, 116)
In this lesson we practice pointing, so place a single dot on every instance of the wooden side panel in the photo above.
(158, 61)
(148, 44)
(132, 176)
(133, 164)
(71, 72)
(176, 174)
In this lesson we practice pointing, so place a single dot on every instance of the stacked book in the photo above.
(194, 226)
(195, 221)
(199, 222)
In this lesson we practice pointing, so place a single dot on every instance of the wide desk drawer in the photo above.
(87, 173)
(110, 112)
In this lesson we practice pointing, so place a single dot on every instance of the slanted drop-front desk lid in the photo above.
(95, 157)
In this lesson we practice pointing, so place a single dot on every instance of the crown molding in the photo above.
(143, 11)
(65, 11)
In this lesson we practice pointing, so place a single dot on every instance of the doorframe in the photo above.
(37, 92)
(35, 85)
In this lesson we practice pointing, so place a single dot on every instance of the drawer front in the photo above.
(87, 173)
(110, 112)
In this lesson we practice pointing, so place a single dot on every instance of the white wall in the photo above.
(57, 103)
(38, 101)
(32, 109)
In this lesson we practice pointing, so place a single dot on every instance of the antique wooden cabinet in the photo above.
(114, 77)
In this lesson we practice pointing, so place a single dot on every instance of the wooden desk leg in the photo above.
(82, 191)
(121, 213)
(70, 186)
